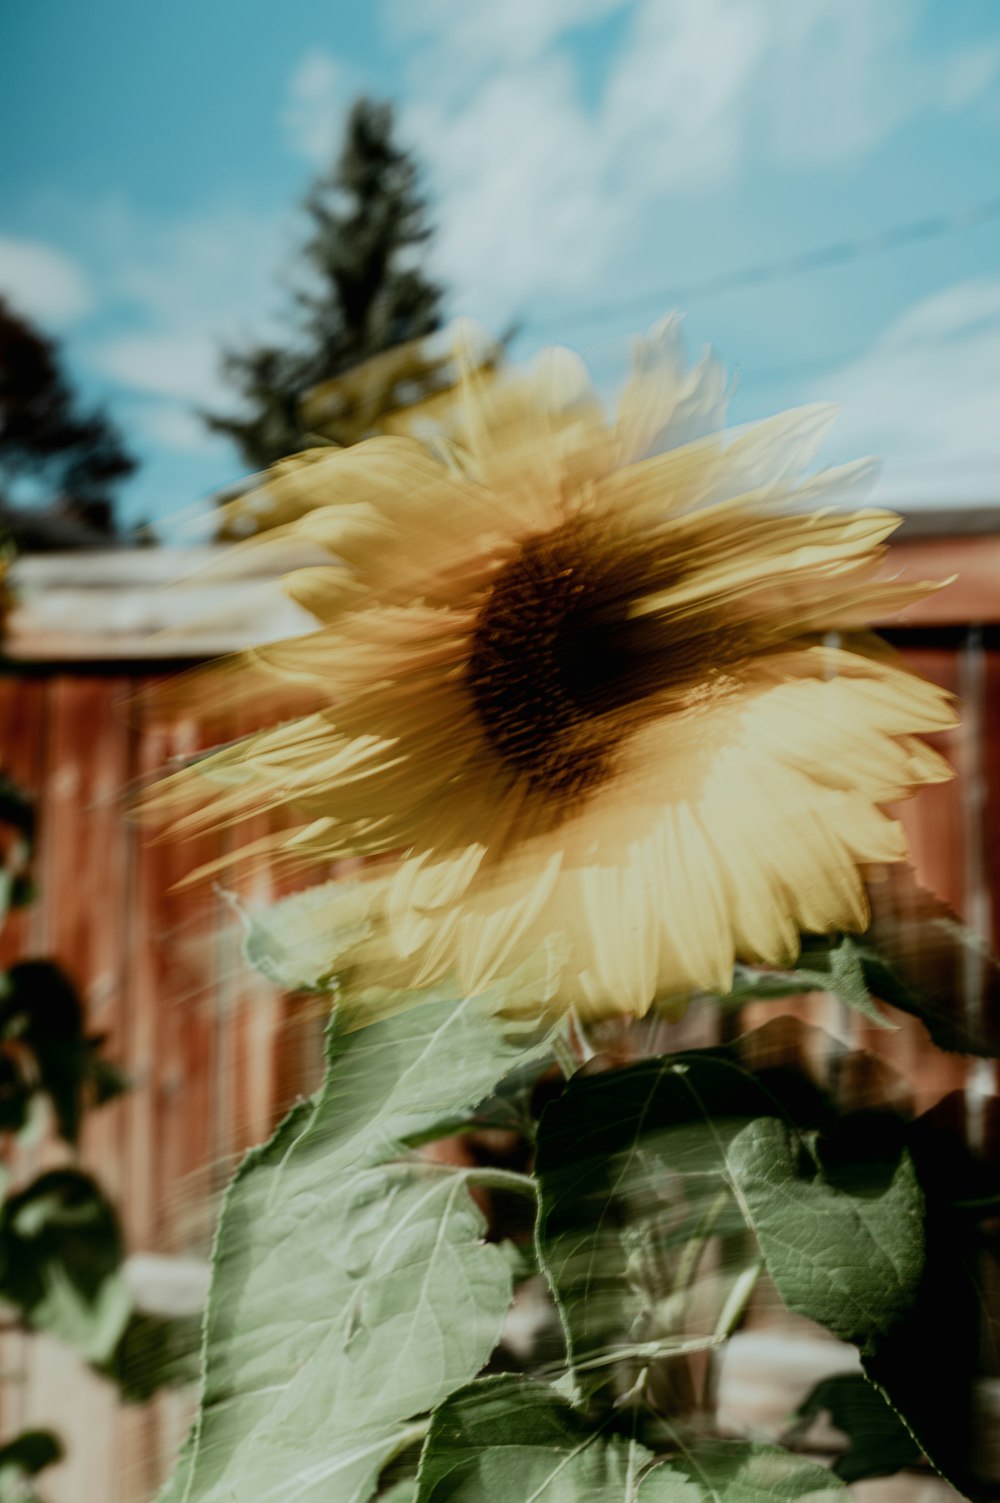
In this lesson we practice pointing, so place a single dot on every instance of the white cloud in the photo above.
(181, 291)
(174, 365)
(515, 183)
(842, 74)
(926, 399)
(215, 268)
(42, 282)
(539, 187)
(175, 427)
(320, 89)
(492, 35)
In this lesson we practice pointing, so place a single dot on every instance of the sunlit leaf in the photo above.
(404, 1491)
(730, 1472)
(510, 1438)
(352, 1290)
(296, 942)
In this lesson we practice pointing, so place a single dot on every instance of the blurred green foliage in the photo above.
(62, 1252)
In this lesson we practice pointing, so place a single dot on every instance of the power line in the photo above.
(838, 253)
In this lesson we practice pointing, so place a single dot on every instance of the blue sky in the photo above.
(584, 158)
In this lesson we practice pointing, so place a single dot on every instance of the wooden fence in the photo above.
(215, 1055)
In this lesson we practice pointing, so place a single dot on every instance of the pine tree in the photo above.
(367, 294)
(59, 466)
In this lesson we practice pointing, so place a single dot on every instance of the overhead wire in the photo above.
(836, 253)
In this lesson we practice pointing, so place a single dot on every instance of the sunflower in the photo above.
(600, 682)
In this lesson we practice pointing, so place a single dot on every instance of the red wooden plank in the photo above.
(171, 988)
(933, 818)
(173, 975)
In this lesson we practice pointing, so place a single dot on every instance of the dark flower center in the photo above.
(559, 671)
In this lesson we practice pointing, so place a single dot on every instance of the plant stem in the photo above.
(690, 1258)
(563, 1051)
(674, 1310)
(739, 1297)
(730, 1316)
(651, 1350)
(485, 1176)
(502, 1179)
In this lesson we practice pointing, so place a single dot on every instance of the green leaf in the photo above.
(18, 815)
(849, 983)
(729, 1472)
(920, 957)
(60, 1261)
(842, 1236)
(30, 1453)
(154, 1352)
(297, 941)
(633, 1169)
(834, 966)
(108, 1080)
(16, 809)
(40, 1012)
(15, 1094)
(41, 1009)
(880, 1443)
(511, 1438)
(750, 985)
(352, 1290)
(404, 1491)
(630, 1164)
(22, 890)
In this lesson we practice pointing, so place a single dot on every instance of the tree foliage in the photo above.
(52, 450)
(365, 292)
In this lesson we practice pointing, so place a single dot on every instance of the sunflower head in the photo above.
(600, 684)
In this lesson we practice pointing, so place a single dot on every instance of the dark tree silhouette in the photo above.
(51, 451)
(366, 294)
